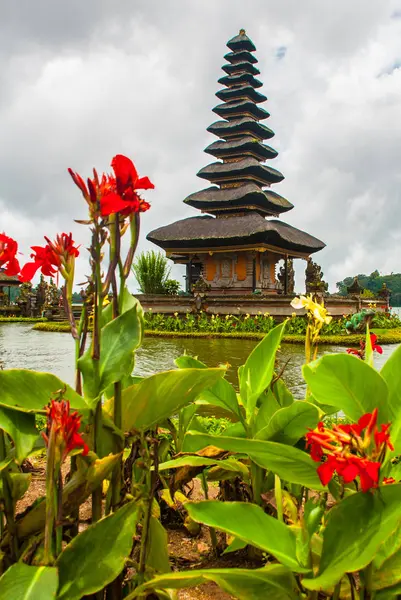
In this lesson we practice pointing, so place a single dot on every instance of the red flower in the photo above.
(349, 469)
(354, 351)
(382, 437)
(63, 427)
(124, 198)
(361, 352)
(351, 451)
(55, 256)
(389, 480)
(375, 347)
(8, 251)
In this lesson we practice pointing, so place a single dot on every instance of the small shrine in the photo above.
(239, 245)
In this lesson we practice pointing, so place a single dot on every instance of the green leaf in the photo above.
(287, 462)
(157, 556)
(389, 574)
(368, 348)
(282, 393)
(268, 405)
(290, 424)
(82, 483)
(19, 483)
(21, 428)
(23, 582)
(391, 373)
(249, 523)
(120, 337)
(235, 545)
(198, 461)
(159, 396)
(97, 555)
(256, 374)
(30, 391)
(356, 528)
(275, 582)
(221, 394)
(189, 362)
(349, 384)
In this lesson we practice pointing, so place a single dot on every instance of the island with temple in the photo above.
(239, 247)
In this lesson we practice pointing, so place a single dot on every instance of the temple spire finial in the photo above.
(242, 32)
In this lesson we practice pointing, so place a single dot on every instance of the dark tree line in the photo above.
(374, 283)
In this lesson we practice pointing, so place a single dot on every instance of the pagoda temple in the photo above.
(236, 245)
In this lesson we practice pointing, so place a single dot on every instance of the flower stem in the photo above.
(96, 340)
(51, 491)
(212, 530)
(9, 508)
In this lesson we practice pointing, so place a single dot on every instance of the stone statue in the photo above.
(290, 276)
(358, 321)
(314, 278)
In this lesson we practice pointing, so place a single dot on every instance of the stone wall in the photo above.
(278, 306)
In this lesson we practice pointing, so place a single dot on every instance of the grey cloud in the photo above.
(82, 81)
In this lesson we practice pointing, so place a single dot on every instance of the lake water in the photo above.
(23, 348)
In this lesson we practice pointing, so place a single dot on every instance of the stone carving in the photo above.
(226, 268)
(314, 278)
(290, 276)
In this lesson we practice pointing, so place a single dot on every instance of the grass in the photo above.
(22, 320)
(386, 336)
(62, 327)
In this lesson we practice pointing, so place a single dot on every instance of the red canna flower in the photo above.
(389, 480)
(58, 256)
(115, 194)
(375, 347)
(382, 438)
(361, 352)
(124, 197)
(351, 451)
(63, 427)
(8, 252)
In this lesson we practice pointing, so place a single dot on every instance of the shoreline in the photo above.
(388, 336)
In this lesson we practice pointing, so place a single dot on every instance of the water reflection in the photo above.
(22, 347)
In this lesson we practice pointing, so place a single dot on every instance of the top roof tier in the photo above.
(241, 42)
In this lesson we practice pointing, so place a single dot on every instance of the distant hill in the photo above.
(373, 283)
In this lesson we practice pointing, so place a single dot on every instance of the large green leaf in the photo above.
(349, 384)
(389, 573)
(21, 428)
(201, 461)
(391, 373)
(356, 528)
(97, 555)
(274, 581)
(287, 462)
(249, 523)
(23, 582)
(157, 397)
(31, 391)
(157, 556)
(222, 394)
(256, 374)
(289, 424)
(119, 339)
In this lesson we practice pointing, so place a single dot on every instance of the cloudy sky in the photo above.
(83, 81)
